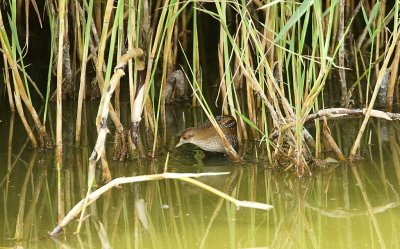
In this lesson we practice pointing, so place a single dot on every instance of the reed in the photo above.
(61, 31)
(86, 37)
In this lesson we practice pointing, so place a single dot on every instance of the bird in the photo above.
(207, 138)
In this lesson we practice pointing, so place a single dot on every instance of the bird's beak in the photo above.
(180, 143)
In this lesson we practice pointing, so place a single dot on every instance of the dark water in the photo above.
(342, 206)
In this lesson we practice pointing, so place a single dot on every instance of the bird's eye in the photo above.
(187, 136)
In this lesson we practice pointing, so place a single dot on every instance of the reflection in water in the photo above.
(341, 206)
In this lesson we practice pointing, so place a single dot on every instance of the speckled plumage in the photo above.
(207, 138)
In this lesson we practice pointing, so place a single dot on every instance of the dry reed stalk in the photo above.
(251, 108)
(383, 35)
(8, 85)
(331, 141)
(102, 45)
(78, 31)
(237, 76)
(175, 42)
(342, 73)
(223, 80)
(195, 55)
(222, 86)
(132, 39)
(120, 48)
(183, 30)
(242, 132)
(82, 82)
(148, 108)
(393, 77)
(26, 21)
(61, 30)
(382, 13)
(375, 93)
(240, 36)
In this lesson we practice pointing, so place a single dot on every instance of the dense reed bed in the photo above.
(278, 65)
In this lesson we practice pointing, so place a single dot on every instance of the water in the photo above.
(341, 206)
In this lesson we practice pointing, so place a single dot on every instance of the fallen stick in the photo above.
(334, 113)
(74, 212)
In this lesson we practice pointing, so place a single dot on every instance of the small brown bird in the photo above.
(207, 138)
